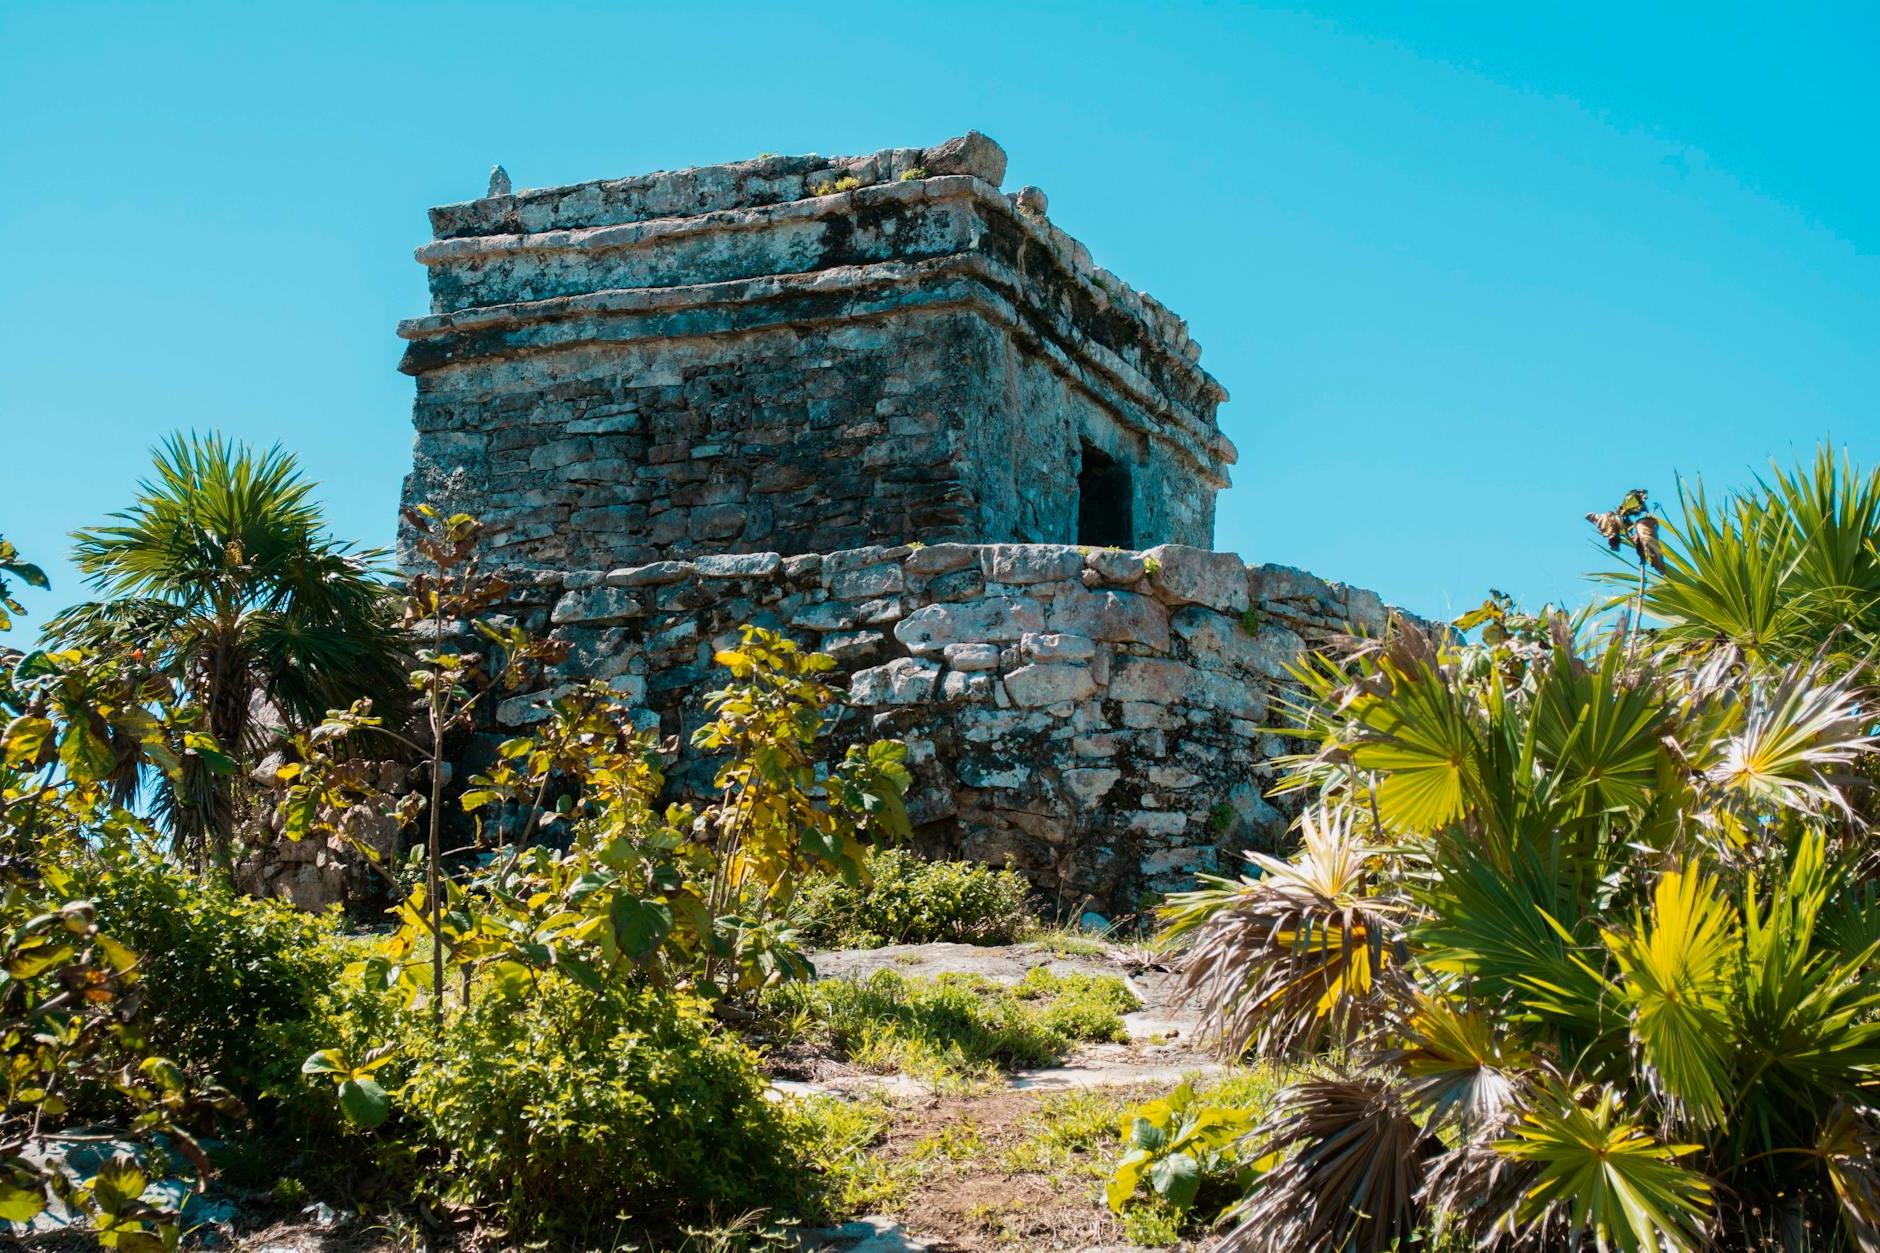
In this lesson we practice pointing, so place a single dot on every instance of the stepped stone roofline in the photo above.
(800, 353)
(717, 198)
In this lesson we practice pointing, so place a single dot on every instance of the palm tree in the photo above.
(223, 574)
(1582, 936)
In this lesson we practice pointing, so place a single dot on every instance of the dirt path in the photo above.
(1019, 1167)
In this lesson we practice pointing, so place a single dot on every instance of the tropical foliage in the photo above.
(1580, 929)
(222, 581)
(74, 1022)
(906, 899)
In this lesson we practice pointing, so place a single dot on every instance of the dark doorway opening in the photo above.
(1103, 502)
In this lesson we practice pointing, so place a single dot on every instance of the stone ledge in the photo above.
(1100, 717)
(846, 295)
(709, 188)
(1101, 288)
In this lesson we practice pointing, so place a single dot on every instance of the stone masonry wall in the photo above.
(794, 354)
(1094, 717)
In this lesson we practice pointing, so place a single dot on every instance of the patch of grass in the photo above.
(909, 900)
(1065, 941)
(1070, 942)
(1221, 819)
(952, 1027)
(1154, 1224)
(957, 1142)
(825, 187)
(835, 1139)
(1070, 1127)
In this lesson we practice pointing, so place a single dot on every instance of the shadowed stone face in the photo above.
(798, 355)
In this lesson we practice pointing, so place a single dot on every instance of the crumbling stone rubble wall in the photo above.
(1094, 717)
(797, 354)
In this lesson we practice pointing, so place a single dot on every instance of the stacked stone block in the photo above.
(1096, 718)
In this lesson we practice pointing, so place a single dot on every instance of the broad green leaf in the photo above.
(1176, 1179)
(19, 1203)
(326, 1062)
(639, 925)
(364, 1102)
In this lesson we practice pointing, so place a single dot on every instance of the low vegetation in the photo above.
(1583, 914)
(903, 899)
(950, 1027)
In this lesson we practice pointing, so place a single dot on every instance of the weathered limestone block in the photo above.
(903, 681)
(1114, 617)
(998, 620)
(1196, 576)
(1217, 641)
(1045, 684)
(597, 605)
(1031, 563)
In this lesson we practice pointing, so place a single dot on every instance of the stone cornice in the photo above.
(843, 294)
(1091, 291)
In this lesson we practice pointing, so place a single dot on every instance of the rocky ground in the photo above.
(999, 1168)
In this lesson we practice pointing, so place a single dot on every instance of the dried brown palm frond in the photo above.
(1473, 1189)
(1849, 1145)
(1353, 1169)
(1610, 528)
(1307, 951)
(1645, 543)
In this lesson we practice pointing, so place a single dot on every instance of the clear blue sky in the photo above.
(1468, 270)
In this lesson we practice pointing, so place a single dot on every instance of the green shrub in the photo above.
(913, 901)
(590, 1117)
(235, 985)
(951, 1026)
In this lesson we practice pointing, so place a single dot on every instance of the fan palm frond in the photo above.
(1282, 961)
(1460, 1067)
(1799, 734)
(1600, 1173)
(1352, 1172)
(1673, 968)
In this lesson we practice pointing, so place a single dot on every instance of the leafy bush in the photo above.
(1186, 1151)
(235, 985)
(74, 1020)
(951, 1026)
(908, 900)
(584, 1117)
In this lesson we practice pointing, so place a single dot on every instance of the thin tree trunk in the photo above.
(433, 851)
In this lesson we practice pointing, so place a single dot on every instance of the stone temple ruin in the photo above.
(880, 405)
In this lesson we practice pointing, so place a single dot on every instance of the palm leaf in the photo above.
(1601, 1174)
(1350, 1178)
(1460, 1065)
(1673, 968)
(1300, 953)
